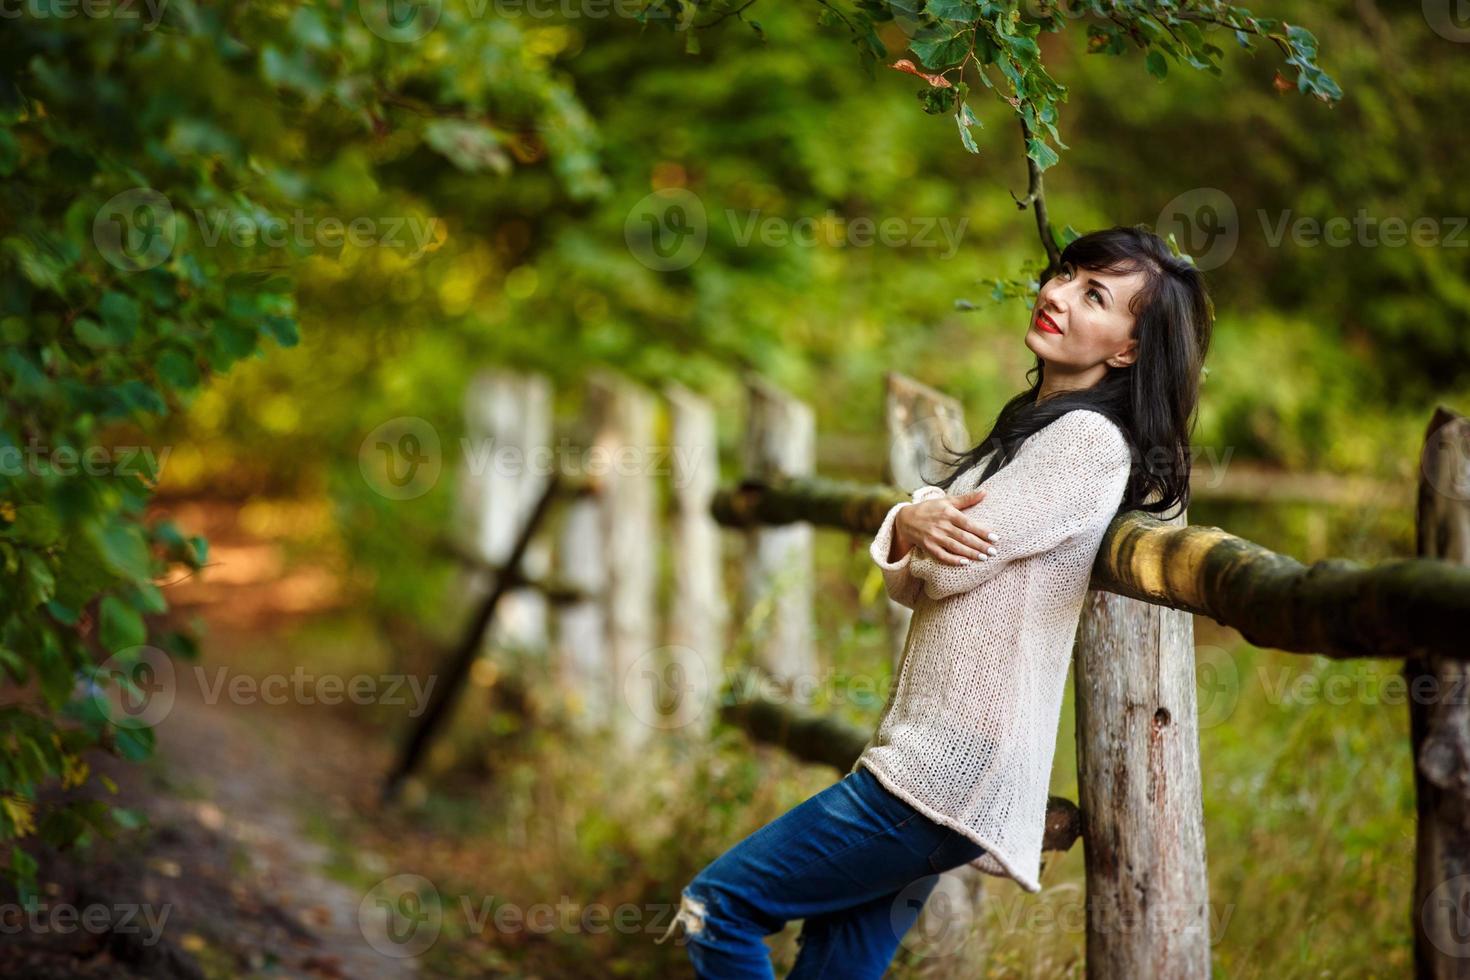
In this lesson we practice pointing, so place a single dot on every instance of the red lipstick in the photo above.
(1045, 325)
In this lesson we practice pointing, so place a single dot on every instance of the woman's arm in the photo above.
(902, 587)
(1066, 477)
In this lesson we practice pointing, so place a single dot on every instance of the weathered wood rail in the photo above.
(1335, 607)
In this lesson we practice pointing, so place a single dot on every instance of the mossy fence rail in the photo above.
(587, 592)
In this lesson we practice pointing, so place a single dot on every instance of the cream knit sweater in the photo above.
(969, 729)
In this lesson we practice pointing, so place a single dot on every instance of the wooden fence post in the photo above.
(780, 441)
(623, 449)
(1439, 722)
(580, 651)
(1138, 780)
(697, 614)
(921, 422)
(508, 429)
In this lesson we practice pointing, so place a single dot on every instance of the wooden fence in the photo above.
(586, 591)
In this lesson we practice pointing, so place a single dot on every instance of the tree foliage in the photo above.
(151, 237)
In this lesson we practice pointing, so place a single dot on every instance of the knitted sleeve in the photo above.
(1067, 477)
(902, 587)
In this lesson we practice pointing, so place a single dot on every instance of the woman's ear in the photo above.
(1126, 356)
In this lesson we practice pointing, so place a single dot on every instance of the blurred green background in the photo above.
(521, 146)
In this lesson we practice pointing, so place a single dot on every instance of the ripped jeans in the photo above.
(855, 862)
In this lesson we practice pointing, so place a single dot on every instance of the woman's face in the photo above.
(1091, 311)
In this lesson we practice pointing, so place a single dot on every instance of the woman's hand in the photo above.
(943, 530)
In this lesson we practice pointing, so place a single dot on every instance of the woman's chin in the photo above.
(1036, 342)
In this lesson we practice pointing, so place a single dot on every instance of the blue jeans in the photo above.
(855, 862)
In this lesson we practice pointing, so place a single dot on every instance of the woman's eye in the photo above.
(1094, 292)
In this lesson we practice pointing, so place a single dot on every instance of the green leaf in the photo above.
(122, 625)
(961, 10)
(937, 100)
(937, 49)
(34, 524)
(120, 314)
(40, 581)
(9, 153)
(134, 744)
(964, 119)
(124, 550)
(177, 369)
(14, 665)
(94, 335)
(472, 147)
(1038, 151)
(1156, 64)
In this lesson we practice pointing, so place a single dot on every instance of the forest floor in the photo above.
(229, 876)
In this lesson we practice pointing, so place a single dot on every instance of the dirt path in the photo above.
(230, 866)
(249, 773)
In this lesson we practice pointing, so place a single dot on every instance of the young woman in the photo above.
(995, 562)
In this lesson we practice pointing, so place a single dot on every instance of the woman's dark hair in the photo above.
(1153, 400)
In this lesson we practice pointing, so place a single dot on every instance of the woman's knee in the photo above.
(710, 907)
